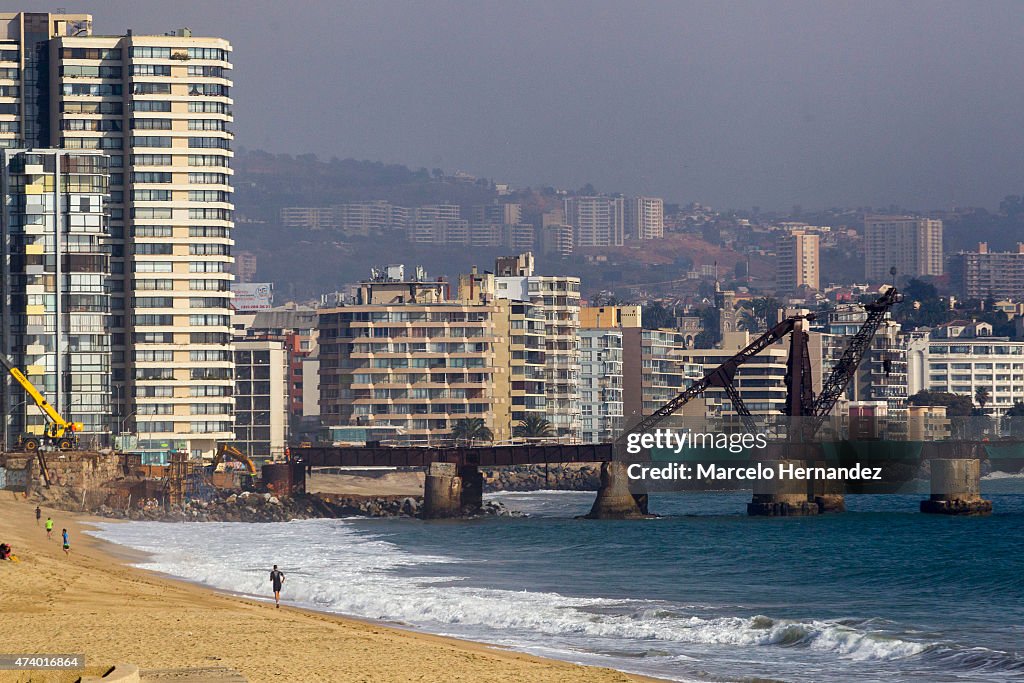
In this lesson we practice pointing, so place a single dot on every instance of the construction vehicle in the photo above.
(229, 451)
(59, 433)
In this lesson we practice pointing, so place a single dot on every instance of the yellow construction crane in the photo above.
(58, 432)
(235, 454)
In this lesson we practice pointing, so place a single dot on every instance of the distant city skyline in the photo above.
(735, 105)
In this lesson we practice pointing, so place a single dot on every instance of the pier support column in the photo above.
(828, 495)
(614, 499)
(472, 497)
(956, 488)
(442, 491)
(781, 498)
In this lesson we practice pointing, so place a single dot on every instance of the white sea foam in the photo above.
(993, 476)
(332, 566)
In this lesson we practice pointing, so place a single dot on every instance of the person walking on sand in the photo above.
(277, 579)
(39, 514)
(49, 529)
(67, 545)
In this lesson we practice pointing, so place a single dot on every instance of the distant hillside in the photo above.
(265, 183)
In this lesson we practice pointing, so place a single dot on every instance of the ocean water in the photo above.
(881, 593)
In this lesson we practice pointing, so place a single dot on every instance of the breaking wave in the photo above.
(332, 566)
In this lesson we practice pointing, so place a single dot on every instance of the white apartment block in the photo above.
(597, 221)
(558, 299)
(645, 218)
(160, 107)
(369, 218)
(961, 358)
(913, 246)
(308, 218)
(261, 398)
(601, 385)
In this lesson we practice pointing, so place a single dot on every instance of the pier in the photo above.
(454, 487)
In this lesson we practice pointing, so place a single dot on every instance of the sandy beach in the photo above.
(93, 602)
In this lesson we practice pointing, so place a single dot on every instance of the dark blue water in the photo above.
(880, 593)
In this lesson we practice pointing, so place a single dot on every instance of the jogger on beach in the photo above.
(49, 529)
(276, 579)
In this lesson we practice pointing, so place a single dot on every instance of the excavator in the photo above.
(227, 450)
(59, 432)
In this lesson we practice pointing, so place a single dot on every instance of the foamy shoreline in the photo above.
(94, 603)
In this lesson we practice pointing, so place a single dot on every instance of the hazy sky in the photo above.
(768, 103)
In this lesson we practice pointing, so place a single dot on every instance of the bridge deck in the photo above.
(487, 456)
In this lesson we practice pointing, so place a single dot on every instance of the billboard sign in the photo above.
(252, 296)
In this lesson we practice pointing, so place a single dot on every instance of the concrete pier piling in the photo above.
(781, 497)
(442, 491)
(956, 488)
(452, 491)
(614, 499)
(472, 496)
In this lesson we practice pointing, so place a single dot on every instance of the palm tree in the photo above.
(757, 315)
(981, 397)
(534, 427)
(748, 321)
(470, 429)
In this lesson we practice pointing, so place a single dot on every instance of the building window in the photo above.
(151, 53)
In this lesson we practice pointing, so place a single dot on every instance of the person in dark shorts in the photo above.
(49, 528)
(67, 544)
(277, 579)
(39, 514)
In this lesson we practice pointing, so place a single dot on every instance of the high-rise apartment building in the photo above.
(882, 375)
(913, 246)
(420, 363)
(500, 213)
(645, 218)
(245, 266)
(429, 224)
(760, 382)
(369, 218)
(556, 240)
(558, 299)
(527, 330)
(797, 261)
(261, 398)
(652, 370)
(54, 302)
(160, 107)
(597, 221)
(509, 235)
(296, 328)
(601, 385)
(308, 218)
(982, 274)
